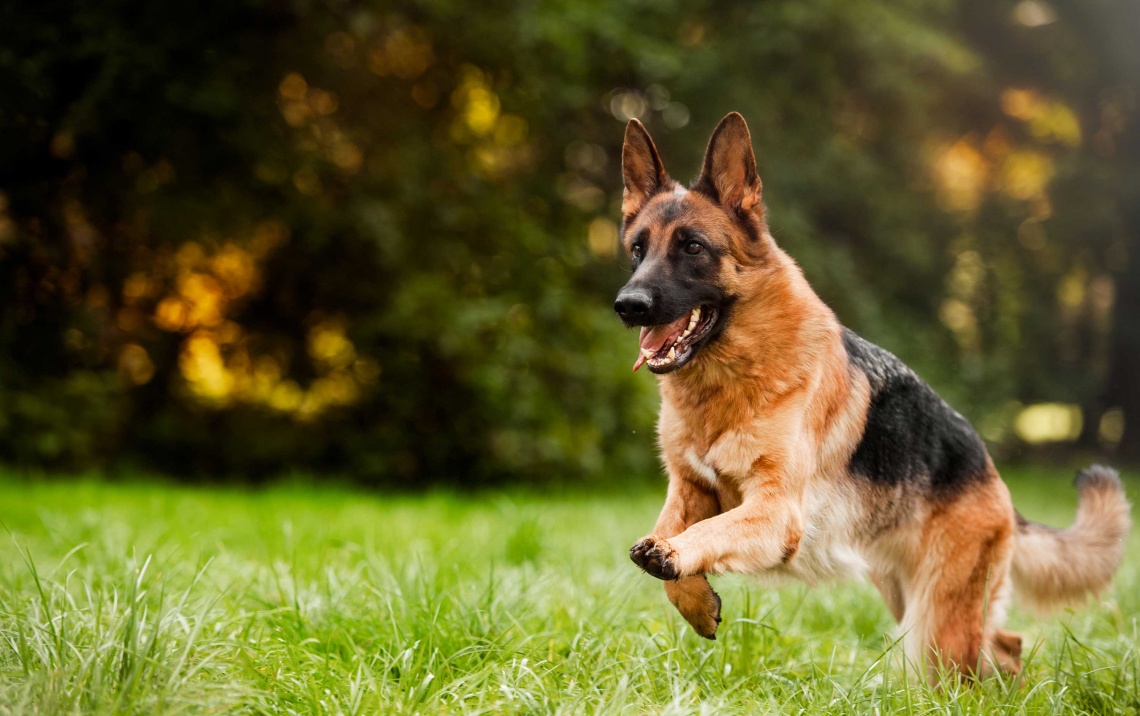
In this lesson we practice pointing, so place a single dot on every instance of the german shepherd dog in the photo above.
(796, 448)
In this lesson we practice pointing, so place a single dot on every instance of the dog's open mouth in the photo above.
(667, 347)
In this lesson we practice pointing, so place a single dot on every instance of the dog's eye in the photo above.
(693, 248)
(635, 251)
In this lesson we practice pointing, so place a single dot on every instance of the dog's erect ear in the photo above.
(641, 169)
(728, 174)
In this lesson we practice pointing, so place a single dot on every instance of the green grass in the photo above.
(145, 598)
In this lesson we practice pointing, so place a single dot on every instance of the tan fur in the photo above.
(756, 434)
(1060, 567)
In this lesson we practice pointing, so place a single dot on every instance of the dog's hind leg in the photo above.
(693, 596)
(956, 600)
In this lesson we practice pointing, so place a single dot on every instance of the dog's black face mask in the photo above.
(673, 294)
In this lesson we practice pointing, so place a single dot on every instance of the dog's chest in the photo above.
(702, 468)
(827, 550)
(725, 459)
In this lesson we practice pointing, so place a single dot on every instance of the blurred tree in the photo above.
(380, 238)
(1083, 56)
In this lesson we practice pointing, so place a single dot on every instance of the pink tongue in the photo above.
(654, 337)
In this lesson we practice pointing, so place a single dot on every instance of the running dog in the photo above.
(796, 448)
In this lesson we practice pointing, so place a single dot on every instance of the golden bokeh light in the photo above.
(405, 53)
(602, 237)
(135, 364)
(1047, 120)
(1111, 427)
(961, 174)
(1049, 422)
(202, 366)
(1026, 174)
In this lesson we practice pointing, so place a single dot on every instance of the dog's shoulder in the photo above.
(912, 435)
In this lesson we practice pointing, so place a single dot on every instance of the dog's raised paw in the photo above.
(655, 557)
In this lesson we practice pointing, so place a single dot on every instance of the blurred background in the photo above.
(378, 240)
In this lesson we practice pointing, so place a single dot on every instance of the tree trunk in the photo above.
(1124, 376)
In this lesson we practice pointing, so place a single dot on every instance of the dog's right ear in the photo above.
(729, 172)
(641, 169)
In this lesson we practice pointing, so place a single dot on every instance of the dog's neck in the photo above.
(775, 316)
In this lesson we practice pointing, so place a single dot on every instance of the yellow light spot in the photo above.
(328, 344)
(236, 270)
(959, 318)
(337, 388)
(405, 53)
(1049, 422)
(202, 366)
(1033, 13)
(510, 130)
(205, 299)
(307, 181)
(347, 156)
(960, 173)
(135, 365)
(229, 332)
(1047, 119)
(1020, 104)
(189, 255)
(602, 237)
(1071, 290)
(481, 110)
(1111, 428)
(969, 270)
(293, 87)
(286, 396)
(296, 114)
(1026, 174)
(171, 314)
(322, 102)
(137, 286)
(1058, 123)
(62, 145)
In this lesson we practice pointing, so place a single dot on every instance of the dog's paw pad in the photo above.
(655, 557)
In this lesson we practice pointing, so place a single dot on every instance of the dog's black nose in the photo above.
(633, 305)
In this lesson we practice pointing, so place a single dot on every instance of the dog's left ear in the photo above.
(728, 174)
(641, 169)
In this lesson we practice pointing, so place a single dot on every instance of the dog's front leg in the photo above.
(685, 504)
(762, 532)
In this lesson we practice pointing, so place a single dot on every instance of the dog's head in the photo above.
(687, 247)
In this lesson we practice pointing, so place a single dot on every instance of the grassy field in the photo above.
(145, 598)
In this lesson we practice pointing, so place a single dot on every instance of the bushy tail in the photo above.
(1053, 567)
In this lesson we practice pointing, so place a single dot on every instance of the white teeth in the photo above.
(693, 318)
(651, 357)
